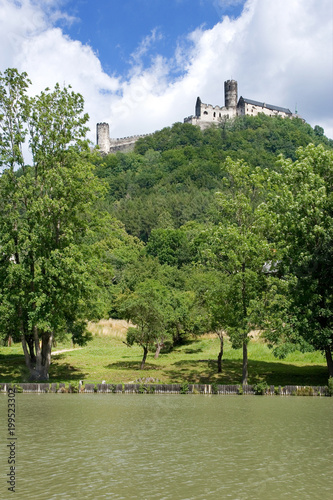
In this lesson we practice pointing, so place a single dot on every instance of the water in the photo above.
(110, 446)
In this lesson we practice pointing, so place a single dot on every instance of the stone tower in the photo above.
(103, 137)
(230, 93)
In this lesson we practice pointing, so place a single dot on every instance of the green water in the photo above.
(109, 446)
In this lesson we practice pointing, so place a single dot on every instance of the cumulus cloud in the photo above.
(280, 51)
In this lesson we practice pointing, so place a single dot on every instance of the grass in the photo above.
(107, 358)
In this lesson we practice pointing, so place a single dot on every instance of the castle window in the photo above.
(219, 115)
(214, 114)
(205, 112)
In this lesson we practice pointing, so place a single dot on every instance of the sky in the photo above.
(141, 64)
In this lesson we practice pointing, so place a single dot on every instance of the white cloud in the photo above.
(280, 51)
(145, 45)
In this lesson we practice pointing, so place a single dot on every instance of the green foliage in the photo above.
(148, 307)
(260, 388)
(47, 216)
(184, 388)
(170, 246)
(146, 389)
(74, 388)
(215, 388)
(300, 206)
(237, 248)
(172, 175)
(330, 386)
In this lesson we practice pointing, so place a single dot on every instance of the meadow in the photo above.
(107, 357)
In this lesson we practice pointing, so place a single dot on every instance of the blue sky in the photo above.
(116, 28)
(140, 64)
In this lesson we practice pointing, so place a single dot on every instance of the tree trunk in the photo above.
(245, 363)
(219, 358)
(145, 352)
(26, 354)
(38, 364)
(328, 354)
(30, 342)
(38, 352)
(159, 346)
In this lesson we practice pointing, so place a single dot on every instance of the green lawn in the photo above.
(108, 358)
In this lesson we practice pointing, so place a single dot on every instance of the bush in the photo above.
(330, 386)
(73, 388)
(260, 388)
(214, 388)
(184, 388)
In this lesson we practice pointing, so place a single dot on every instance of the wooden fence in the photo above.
(142, 388)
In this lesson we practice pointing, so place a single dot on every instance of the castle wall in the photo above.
(108, 145)
(210, 114)
(249, 109)
(124, 144)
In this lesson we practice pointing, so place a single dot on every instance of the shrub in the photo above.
(260, 388)
(330, 386)
(184, 388)
(73, 388)
(214, 388)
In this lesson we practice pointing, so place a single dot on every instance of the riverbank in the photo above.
(107, 358)
(260, 389)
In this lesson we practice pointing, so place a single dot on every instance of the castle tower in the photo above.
(103, 137)
(230, 94)
(198, 107)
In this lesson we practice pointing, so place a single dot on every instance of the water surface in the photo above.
(114, 446)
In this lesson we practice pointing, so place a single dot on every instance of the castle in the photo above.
(205, 116)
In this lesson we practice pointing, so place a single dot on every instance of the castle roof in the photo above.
(264, 105)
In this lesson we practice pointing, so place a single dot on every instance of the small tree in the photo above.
(148, 307)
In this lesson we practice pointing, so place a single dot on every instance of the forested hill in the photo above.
(172, 176)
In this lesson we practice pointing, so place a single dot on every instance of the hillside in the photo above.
(171, 177)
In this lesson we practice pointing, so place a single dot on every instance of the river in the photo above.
(118, 446)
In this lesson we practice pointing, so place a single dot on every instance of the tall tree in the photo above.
(45, 214)
(301, 206)
(238, 248)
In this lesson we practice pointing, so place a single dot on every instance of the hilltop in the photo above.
(172, 175)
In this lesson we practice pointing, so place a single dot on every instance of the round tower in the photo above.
(230, 94)
(103, 137)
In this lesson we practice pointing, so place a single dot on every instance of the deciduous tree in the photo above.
(301, 206)
(238, 248)
(45, 215)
